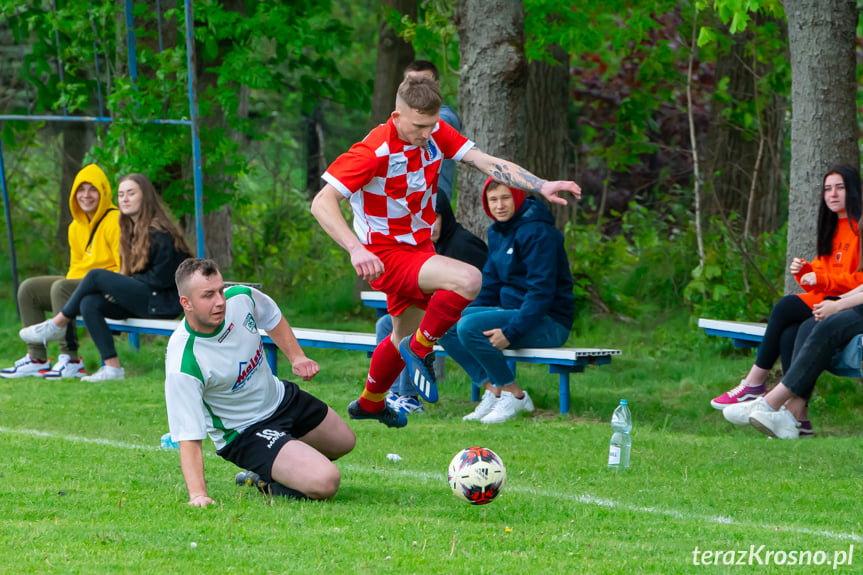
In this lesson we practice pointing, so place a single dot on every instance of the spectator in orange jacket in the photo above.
(835, 271)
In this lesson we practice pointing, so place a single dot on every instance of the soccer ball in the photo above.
(476, 475)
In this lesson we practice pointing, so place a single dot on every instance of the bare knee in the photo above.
(326, 485)
(471, 283)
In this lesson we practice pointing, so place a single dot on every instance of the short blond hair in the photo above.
(421, 94)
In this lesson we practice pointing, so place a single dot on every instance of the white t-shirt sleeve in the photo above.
(185, 403)
(267, 313)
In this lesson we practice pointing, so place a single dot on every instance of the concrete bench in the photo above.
(846, 363)
(561, 360)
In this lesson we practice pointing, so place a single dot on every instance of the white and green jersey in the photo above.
(220, 383)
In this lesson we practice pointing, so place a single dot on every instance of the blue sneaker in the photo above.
(421, 371)
(408, 404)
(388, 417)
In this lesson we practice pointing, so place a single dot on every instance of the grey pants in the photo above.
(47, 293)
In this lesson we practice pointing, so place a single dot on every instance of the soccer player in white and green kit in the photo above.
(218, 383)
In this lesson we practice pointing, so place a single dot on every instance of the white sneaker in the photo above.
(486, 404)
(42, 332)
(65, 367)
(106, 373)
(25, 367)
(780, 424)
(739, 413)
(508, 407)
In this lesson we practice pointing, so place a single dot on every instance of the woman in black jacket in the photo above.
(151, 248)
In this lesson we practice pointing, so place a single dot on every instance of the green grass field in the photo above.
(84, 487)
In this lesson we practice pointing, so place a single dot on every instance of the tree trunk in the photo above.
(547, 99)
(492, 92)
(316, 162)
(821, 36)
(394, 54)
(733, 153)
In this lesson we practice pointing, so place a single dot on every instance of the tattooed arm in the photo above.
(514, 175)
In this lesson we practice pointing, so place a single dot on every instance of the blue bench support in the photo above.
(847, 362)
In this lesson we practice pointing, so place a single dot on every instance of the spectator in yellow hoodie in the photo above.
(94, 243)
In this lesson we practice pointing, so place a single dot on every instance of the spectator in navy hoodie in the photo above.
(526, 300)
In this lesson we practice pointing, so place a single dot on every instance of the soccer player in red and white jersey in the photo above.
(391, 178)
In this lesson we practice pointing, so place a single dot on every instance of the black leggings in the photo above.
(128, 298)
(785, 319)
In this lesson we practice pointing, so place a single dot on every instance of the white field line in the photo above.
(584, 499)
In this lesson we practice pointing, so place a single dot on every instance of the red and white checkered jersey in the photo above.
(392, 184)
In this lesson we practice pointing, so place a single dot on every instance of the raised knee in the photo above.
(472, 283)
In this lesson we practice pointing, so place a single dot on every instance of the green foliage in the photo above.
(270, 49)
(434, 37)
(737, 14)
(276, 239)
(717, 289)
(643, 268)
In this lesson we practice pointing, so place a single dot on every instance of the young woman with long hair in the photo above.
(151, 248)
(835, 271)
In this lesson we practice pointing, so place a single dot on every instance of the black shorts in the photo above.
(257, 446)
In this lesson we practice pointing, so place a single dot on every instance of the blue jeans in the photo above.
(402, 385)
(467, 345)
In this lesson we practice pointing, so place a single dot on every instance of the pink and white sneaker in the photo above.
(740, 394)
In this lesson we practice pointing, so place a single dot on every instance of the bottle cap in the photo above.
(623, 402)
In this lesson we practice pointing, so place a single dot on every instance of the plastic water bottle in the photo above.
(619, 447)
(168, 442)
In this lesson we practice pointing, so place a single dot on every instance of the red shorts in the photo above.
(400, 280)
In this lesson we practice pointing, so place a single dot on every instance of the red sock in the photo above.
(386, 365)
(444, 310)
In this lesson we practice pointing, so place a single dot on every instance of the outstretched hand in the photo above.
(305, 368)
(368, 265)
(551, 189)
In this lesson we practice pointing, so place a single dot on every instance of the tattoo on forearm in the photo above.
(520, 178)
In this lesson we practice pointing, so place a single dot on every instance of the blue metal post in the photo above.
(196, 139)
(7, 214)
(130, 31)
